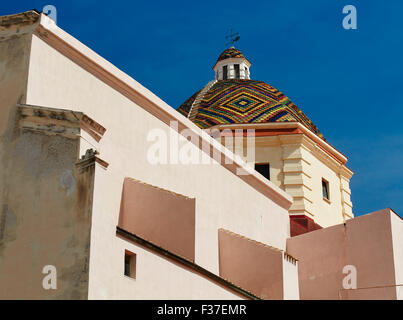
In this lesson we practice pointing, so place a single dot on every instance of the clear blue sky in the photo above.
(349, 82)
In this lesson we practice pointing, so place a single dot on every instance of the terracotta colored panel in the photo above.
(297, 228)
(162, 217)
(300, 224)
(364, 242)
(251, 265)
(321, 259)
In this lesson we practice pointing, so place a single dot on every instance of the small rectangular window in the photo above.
(225, 72)
(130, 264)
(237, 74)
(263, 169)
(325, 189)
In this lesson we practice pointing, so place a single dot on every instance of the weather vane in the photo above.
(234, 38)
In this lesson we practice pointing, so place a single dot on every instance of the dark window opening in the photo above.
(263, 169)
(130, 264)
(325, 189)
(224, 72)
(237, 73)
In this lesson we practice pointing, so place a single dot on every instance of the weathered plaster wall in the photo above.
(272, 155)
(15, 44)
(46, 218)
(44, 202)
(55, 80)
(156, 278)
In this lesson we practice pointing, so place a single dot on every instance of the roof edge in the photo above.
(21, 19)
(327, 146)
(67, 45)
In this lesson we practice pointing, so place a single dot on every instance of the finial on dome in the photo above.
(234, 38)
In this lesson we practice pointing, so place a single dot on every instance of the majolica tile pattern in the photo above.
(245, 101)
(230, 53)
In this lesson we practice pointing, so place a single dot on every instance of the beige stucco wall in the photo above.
(156, 278)
(272, 155)
(14, 58)
(56, 81)
(325, 213)
(298, 167)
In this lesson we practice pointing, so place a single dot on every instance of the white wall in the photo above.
(156, 278)
(290, 278)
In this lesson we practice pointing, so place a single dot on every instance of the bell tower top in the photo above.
(232, 64)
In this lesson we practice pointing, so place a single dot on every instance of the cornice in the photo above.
(231, 61)
(53, 121)
(287, 125)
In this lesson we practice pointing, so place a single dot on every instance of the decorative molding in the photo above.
(259, 127)
(89, 159)
(20, 23)
(50, 121)
(66, 123)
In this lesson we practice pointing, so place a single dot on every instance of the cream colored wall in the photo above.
(298, 166)
(223, 200)
(273, 156)
(325, 213)
(46, 216)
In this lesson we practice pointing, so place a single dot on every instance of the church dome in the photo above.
(235, 99)
(230, 53)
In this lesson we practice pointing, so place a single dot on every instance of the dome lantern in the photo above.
(232, 64)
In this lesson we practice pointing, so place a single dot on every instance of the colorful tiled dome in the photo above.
(230, 53)
(244, 101)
